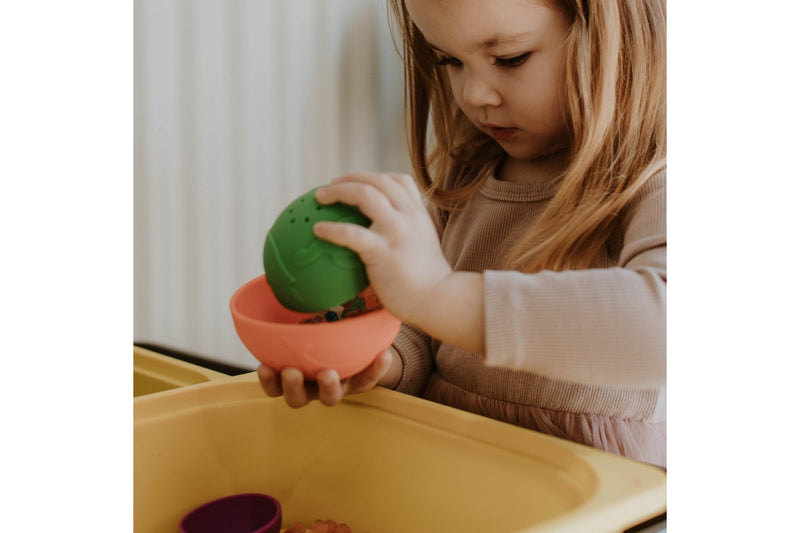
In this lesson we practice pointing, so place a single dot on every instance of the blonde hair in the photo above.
(615, 76)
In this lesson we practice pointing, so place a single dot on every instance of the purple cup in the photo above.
(239, 513)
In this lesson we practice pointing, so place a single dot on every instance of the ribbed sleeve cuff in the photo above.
(414, 347)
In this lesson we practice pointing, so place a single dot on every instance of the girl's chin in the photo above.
(529, 153)
(517, 152)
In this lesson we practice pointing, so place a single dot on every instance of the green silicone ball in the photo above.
(308, 274)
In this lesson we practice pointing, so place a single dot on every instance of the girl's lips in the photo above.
(501, 134)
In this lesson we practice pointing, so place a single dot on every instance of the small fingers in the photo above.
(393, 186)
(373, 202)
(270, 381)
(295, 391)
(369, 377)
(365, 242)
(330, 388)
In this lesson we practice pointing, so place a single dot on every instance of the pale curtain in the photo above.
(241, 106)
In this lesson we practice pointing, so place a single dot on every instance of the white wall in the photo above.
(240, 107)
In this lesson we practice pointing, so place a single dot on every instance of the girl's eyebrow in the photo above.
(504, 38)
(493, 42)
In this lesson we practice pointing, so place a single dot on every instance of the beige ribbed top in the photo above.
(590, 341)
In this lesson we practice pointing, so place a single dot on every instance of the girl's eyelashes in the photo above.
(512, 61)
(508, 62)
(443, 61)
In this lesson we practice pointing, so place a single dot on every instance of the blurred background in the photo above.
(240, 106)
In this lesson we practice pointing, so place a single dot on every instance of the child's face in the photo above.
(505, 65)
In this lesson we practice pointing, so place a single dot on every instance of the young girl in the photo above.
(533, 289)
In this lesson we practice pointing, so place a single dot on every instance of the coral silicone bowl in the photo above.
(276, 337)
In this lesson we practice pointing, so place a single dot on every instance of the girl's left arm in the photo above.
(602, 326)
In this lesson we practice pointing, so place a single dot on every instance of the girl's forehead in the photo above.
(480, 23)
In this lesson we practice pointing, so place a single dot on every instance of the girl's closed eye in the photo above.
(508, 62)
(512, 61)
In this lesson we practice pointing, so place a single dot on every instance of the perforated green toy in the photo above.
(306, 273)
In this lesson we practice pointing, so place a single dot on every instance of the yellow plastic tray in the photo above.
(382, 462)
(154, 372)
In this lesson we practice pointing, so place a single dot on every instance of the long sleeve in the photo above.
(604, 326)
(416, 351)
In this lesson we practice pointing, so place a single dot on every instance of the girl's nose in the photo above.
(479, 92)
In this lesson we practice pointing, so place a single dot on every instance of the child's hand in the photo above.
(400, 250)
(328, 388)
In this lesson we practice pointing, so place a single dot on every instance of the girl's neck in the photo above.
(540, 170)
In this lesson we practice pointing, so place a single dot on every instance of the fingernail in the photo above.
(294, 378)
(327, 377)
(319, 227)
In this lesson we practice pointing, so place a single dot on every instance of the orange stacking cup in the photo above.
(277, 338)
